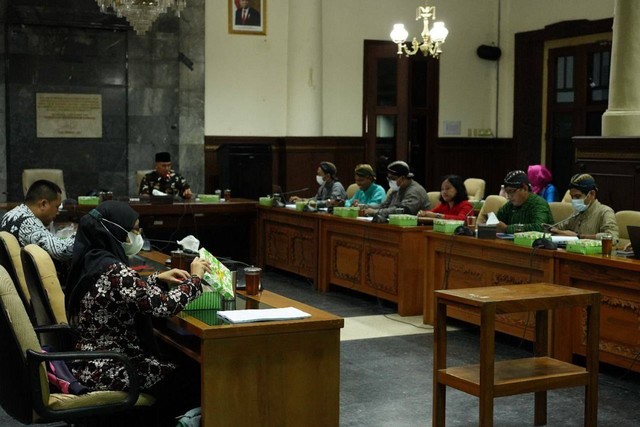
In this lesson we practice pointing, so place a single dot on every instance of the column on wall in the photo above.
(304, 69)
(622, 117)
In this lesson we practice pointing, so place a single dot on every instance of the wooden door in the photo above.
(399, 108)
(577, 96)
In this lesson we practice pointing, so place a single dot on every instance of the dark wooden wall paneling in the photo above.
(614, 162)
(295, 159)
(486, 158)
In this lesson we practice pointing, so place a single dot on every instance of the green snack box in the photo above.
(265, 201)
(447, 226)
(209, 198)
(89, 200)
(585, 247)
(208, 300)
(526, 238)
(403, 220)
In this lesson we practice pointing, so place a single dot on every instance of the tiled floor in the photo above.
(386, 363)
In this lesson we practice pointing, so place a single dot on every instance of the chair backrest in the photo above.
(29, 176)
(560, 210)
(475, 188)
(624, 218)
(434, 198)
(492, 204)
(17, 336)
(11, 261)
(567, 197)
(47, 297)
(139, 175)
(351, 190)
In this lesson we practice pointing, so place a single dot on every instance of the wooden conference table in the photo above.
(377, 259)
(265, 373)
(226, 228)
(406, 265)
(455, 262)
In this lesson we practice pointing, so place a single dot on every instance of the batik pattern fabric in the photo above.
(106, 322)
(28, 229)
(173, 184)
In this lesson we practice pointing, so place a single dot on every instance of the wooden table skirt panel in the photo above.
(273, 380)
(288, 240)
(618, 281)
(376, 259)
(460, 262)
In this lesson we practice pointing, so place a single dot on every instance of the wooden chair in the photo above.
(475, 188)
(434, 198)
(24, 386)
(560, 210)
(139, 175)
(351, 190)
(624, 218)
(47, 297)
(11, 261)
(492, 204)
(29, 176)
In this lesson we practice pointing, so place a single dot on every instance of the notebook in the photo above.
(634, 236)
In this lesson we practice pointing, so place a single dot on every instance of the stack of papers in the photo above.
(245, 316)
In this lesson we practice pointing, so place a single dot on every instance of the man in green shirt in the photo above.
(523, 206)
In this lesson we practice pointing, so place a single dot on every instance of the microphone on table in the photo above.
(278, 198)
(546, 243)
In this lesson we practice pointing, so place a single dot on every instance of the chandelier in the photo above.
(431, 39)
(141, 14)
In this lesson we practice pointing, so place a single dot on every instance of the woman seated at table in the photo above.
(540, 179)
(454, 202)
(113, 306)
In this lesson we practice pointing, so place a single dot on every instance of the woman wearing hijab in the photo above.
(108, 299)
(540, 179)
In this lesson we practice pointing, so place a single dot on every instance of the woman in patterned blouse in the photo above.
(109, 299)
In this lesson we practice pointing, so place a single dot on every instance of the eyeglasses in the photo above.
(511, 192)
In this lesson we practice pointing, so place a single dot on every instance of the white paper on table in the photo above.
(257, 315)
(492, 219)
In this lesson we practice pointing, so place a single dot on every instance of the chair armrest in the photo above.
(34, 359)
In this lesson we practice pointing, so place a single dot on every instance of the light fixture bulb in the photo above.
(399, 34)
(439, 32)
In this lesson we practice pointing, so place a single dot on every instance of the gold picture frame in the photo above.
(253, 21)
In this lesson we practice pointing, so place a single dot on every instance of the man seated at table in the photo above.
(406, 195)
(369, 194)
(590, 216)
(164, 179)
(523, 206)
(29, 221)
(331, 191)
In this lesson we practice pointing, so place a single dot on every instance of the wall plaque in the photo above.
(68, 115)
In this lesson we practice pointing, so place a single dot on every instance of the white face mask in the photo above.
(393, 185)
(134, 243)
(579, 205)
(319, 179)
(133, 246)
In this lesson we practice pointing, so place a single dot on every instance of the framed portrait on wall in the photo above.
(248, 17)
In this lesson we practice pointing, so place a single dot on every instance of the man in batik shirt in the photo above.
(29, 221)
(165, 179)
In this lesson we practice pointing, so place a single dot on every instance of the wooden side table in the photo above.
(489, 379)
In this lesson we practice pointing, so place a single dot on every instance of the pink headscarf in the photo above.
(539, 177)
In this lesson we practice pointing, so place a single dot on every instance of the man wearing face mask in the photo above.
(590, 216)
(406, 194)
(331, 190)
